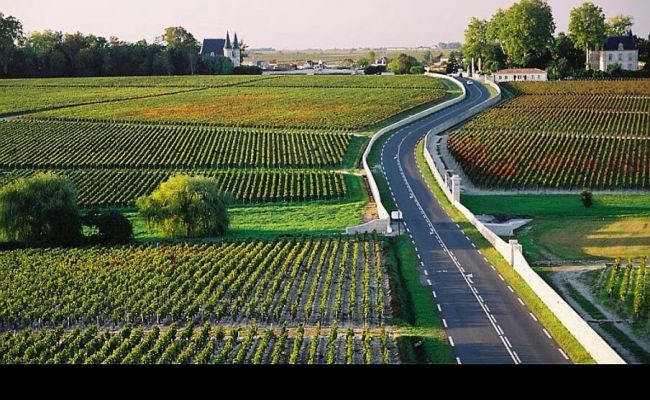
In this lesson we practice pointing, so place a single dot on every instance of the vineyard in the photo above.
(300, 280)
(561, 135)
(121, 187)
(55, 144)
(625, 285)
(314, 108)
(354, 81)
(178, 81)
(32, 98)
(198, 345)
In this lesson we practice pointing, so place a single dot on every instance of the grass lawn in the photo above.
(268, 221)
(564, 338)
(615, 226)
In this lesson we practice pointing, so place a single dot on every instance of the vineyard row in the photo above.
(121, 187)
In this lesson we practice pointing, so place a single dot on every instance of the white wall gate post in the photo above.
(455, 187)
(514, 248)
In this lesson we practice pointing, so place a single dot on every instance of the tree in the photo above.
(182, 44)
(476, 39)
(111, 227)
(587, 198)
(242, 51)
(452, 63)
(587, 27)
(526, 31)
(11, 32)
(402, 64)
(186, 206)
(619, 25)
(363, 62)
(371, 56)
(40, 209)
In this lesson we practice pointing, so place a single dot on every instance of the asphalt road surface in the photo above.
(485, 321)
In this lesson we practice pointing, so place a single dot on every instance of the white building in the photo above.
(520, 74)
(619, 50)
(222, 47)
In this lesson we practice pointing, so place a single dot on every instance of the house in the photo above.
(619, 50)
(520, 74)
(222, 47)
(381, 62)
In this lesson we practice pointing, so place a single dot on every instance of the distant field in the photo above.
(32, 99)
(195, 81)
(563, 229)
(319, 108)
(561, 135)
(355, 81)
(333, 55)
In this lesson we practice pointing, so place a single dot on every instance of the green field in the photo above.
(16, 100)
(196, 81)
(319, 108)
(563, 229)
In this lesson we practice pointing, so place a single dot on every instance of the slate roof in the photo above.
(611, 43)
(212, 46)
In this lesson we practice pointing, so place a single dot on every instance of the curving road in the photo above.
(486, 322)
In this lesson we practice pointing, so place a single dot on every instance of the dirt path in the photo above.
(573, 276)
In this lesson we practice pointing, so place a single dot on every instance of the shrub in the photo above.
(40, 209)
(112, 227)
(374, 69)
(247, 70)
(587, 198)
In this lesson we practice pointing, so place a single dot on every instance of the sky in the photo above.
(290, 24)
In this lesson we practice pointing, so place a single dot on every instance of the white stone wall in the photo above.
(627, 59)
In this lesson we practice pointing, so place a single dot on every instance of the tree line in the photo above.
(504, 41)
(57, 54)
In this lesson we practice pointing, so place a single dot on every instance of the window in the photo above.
(620, 56)
(620, 47)
(610, 57)
(629, 67)
(629, 57)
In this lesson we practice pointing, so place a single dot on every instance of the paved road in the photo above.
(486, 322)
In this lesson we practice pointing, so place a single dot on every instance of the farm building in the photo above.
(520, 74)
(619, 50)
(223, 47)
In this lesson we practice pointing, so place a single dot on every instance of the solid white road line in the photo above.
(451, 342)
(546, 333)
(562, 352)
(517, 357)
(500, 330)
(507, 341)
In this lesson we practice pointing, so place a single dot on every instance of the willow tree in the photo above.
(187, 206)
(40, 209)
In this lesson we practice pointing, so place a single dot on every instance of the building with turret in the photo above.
(223, 47)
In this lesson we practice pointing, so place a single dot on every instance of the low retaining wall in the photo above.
(384, 216)
(599, 350)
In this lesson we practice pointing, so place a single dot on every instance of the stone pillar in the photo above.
(455, 188)
(515, 247)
